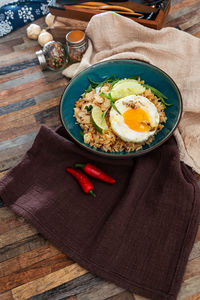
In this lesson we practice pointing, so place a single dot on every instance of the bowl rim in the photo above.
(128, 154)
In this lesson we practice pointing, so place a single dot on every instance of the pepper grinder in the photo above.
(53, 56)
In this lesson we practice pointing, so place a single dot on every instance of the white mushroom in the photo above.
(49, 19)
(33, 31)
(44, 38)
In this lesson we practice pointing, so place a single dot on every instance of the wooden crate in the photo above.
(84, 14)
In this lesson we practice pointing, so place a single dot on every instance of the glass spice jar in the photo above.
(77, 43)
(53, 56)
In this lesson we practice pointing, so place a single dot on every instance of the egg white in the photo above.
(122, 130)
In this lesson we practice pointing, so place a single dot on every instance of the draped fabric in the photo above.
(15, 14)
(136, 233)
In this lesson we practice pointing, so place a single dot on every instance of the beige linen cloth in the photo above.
(177, 53)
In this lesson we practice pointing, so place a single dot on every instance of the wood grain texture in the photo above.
(19, 74)
(192, 268)
(16, 235)
(21, 275)
(100, 292)
(30, 266)
(194, 297)
(180, 5)
(80, 285)
(189, 287)
(10, 223)
(6, 296)
(22, 246)
(27, 259)
(122, 296)
(49, 281)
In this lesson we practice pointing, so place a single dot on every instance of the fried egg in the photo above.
(136, 120)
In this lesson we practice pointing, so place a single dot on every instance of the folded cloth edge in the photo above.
(117, 279)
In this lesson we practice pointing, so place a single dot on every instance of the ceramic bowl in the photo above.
(122, 68)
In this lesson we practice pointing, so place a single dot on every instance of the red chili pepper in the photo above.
(96, 172)
(83, 180)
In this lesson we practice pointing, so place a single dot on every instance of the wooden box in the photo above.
(84, 14)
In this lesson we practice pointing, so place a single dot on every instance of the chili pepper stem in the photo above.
(80, 166)
(83, 180)
(92, 193)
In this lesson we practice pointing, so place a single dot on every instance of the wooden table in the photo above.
(31, 267)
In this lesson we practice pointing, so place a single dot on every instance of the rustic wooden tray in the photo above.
(84, 14)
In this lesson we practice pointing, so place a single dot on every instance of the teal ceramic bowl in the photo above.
(121, 69)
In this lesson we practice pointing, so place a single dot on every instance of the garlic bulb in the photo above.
(33, 31)
(43, 30)
(44, 38)
(49, 19)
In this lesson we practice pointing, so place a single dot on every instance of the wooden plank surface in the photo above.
(30, 266)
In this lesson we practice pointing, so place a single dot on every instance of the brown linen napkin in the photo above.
(137, 233)
(175, 52)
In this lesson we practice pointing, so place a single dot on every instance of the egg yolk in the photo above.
(137, 119)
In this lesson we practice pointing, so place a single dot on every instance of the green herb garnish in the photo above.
(112, 101)
(113, 80)
(134, 77)
(81, 133)
(156, 92)
(105, 112)
(98, 85)
(89, 89)
(164, 102)
(88, 108)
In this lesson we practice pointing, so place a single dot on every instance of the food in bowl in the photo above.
(120, 114)
(137, 121)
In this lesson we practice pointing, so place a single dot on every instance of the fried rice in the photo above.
(109, 141)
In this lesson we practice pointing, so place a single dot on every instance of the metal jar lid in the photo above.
(81, 40)
(42, 59)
